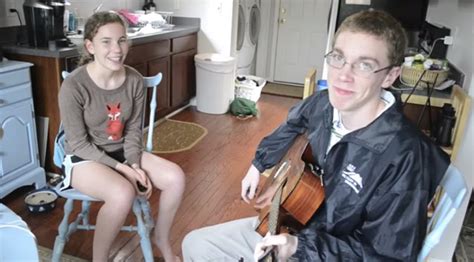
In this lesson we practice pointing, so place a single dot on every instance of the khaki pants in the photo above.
(230, 241)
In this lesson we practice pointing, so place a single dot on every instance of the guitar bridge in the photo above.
(316, 170)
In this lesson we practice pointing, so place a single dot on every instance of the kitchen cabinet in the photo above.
(172, 56)
(19, 157)
(150, 59)
(183, 75)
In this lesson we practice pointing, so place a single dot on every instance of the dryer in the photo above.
(248, 30)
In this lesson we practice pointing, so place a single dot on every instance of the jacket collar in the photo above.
(377, 135)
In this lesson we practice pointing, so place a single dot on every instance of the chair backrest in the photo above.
(148, 82)
(309, 83)
(442, 226)
(461, 102)
(151, 82)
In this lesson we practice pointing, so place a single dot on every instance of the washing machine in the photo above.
(248, 30)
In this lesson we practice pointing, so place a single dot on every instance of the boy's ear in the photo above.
(391, 76)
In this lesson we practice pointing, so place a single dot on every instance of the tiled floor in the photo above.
(465, 247)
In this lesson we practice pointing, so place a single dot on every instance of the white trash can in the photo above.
(214, 82)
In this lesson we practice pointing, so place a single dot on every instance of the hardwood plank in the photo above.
(214, 168)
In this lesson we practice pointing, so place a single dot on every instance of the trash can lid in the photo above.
(213, 58)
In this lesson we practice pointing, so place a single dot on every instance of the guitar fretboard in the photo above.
(274, 212)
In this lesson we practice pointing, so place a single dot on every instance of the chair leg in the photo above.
(85, 213)
(143, 232)
(145, 206)
(83, 217)
(62, 236)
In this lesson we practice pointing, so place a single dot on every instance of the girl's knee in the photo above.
(178, 175)
(175, 176)
(122, 194)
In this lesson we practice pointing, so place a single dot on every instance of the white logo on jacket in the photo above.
(352, 178)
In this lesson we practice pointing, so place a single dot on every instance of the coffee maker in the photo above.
(44, 23)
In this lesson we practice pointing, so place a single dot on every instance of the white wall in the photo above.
(458, 16)
(84, 8)
(7, 18)
(217, 17)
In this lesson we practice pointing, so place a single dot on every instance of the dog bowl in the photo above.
(41, 200)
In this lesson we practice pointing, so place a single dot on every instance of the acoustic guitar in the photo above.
(298, 191)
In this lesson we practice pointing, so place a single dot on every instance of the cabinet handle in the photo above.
(1, 133)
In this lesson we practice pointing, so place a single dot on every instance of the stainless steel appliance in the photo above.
(44, 23)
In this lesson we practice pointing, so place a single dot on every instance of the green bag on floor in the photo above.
(243, 107)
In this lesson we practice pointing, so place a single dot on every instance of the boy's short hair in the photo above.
(380, 24)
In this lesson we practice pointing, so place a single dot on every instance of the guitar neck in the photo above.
(274, 212)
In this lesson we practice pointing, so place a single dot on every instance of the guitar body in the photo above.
(302, 190)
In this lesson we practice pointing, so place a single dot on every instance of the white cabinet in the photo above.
(19, 158)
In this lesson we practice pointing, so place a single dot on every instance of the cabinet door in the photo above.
(18, 148)
(160, 65)
(183, 81)
(141, 68)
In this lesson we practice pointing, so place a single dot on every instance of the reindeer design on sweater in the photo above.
(114, 123)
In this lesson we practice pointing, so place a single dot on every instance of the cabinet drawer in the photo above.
(141, 53)
(184, 43)
(15, 77)
(14, 94)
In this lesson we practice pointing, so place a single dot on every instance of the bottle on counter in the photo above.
(66, 21)
(72, 22)
(149, 6)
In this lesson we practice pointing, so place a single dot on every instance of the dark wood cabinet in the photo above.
(156, 66)
(150, 59)
(183, 75)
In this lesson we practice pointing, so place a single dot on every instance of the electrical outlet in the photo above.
(448, 40)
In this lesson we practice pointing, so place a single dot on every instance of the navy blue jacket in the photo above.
(378, 182)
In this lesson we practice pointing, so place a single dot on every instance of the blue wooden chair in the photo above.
(141, 207)
(445, 224)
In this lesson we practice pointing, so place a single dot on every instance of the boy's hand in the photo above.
(249, 184)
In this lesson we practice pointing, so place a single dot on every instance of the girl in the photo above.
(101, 106)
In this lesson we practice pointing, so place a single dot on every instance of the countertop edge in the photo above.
(177, 31)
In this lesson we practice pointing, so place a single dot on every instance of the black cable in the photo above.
(414, 88)
(18, 32)
(429, 93)
(13, 10)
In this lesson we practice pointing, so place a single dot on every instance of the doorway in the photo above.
(297, 39)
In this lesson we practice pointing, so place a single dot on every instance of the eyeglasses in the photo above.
(359, 68)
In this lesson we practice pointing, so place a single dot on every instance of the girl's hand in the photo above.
(143, 186)
(137, 177)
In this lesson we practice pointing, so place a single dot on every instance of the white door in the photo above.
(302, 37)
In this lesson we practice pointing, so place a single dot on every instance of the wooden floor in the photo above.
(214, 169)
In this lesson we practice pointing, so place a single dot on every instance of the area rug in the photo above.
(283, 90)
(171, 136)
(46, 253)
